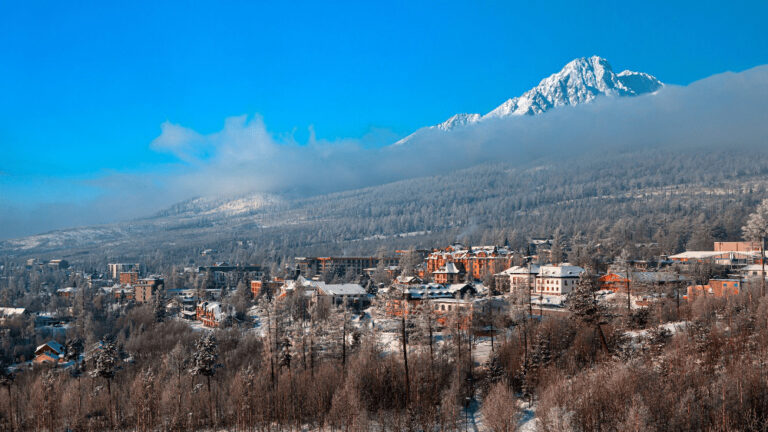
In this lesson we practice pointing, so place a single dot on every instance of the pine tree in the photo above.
(584, 306)
(105, 366)
(157, 305)
(105, 362)
(541, 354)
(73, 349)
(204, 363)
(285, 354)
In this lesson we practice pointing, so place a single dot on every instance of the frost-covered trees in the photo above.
(500, 408)
(143, 394)
(105, 366)
(204, 363)
(756, 229)
(584, 306)
(105, 362)
(6, 380)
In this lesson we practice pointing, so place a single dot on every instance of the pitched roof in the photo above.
(521, 270)
(449, 268)
(562, 270)
(343, 289)
(55, 346)
(9, 311)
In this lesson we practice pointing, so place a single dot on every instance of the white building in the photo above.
(520, 277)
(557, 279)
(753, 271)
(341, 294)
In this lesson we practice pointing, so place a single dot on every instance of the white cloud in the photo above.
(244, 156)
(725, 110)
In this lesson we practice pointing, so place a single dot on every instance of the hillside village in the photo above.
(475, 315)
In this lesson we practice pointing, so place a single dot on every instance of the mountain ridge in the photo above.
(580, 81)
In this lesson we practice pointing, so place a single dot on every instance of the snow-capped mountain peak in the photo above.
(580, 81)
(458, 120)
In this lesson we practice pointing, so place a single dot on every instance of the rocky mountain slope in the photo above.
(580, 81)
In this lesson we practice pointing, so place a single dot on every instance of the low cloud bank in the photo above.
(723, 111)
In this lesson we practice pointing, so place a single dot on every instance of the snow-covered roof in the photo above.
(454, 288)
(55, 346)
(711, 254)
(429, 291)
(10, 311)
(215, 308)
(407, 279)
(524, 270)
(343, 290)
(561, 271)
(651, 277)
(448, 268)
(696, 254)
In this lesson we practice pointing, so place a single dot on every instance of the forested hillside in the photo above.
(673, 198)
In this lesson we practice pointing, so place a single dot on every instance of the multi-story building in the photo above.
(738, 246)
(450, 273)
(310, 266)
(477, 261)
(129, 278)
(267, 287)
(145, 288)
(617, 280)
(557, 279)
(211, 314)
(116, 268)
(518, 278)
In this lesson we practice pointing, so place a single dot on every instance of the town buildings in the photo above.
(49, 352)
(116, 268)
(475, 261)
(449, 273)
(311, 266)
(349, 295)
(617, 281)
(517, 279)
(717, 288)
(212, 314)
(146, 288)
(557, 279)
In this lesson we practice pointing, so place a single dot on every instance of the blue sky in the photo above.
(85, 86)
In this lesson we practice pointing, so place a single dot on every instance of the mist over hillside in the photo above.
(649, 162)
(664, 196)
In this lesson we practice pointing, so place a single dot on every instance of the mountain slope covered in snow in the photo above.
(580, 81)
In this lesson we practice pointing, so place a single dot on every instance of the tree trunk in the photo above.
(629, 291)
(762, 262)
(405, 359)
(109, 392)
(344, 344)
(210, 399)
(603, 342)
(10, 407)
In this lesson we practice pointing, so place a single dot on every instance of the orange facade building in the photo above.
(129, 278)
(476, 262)
(717, 288)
